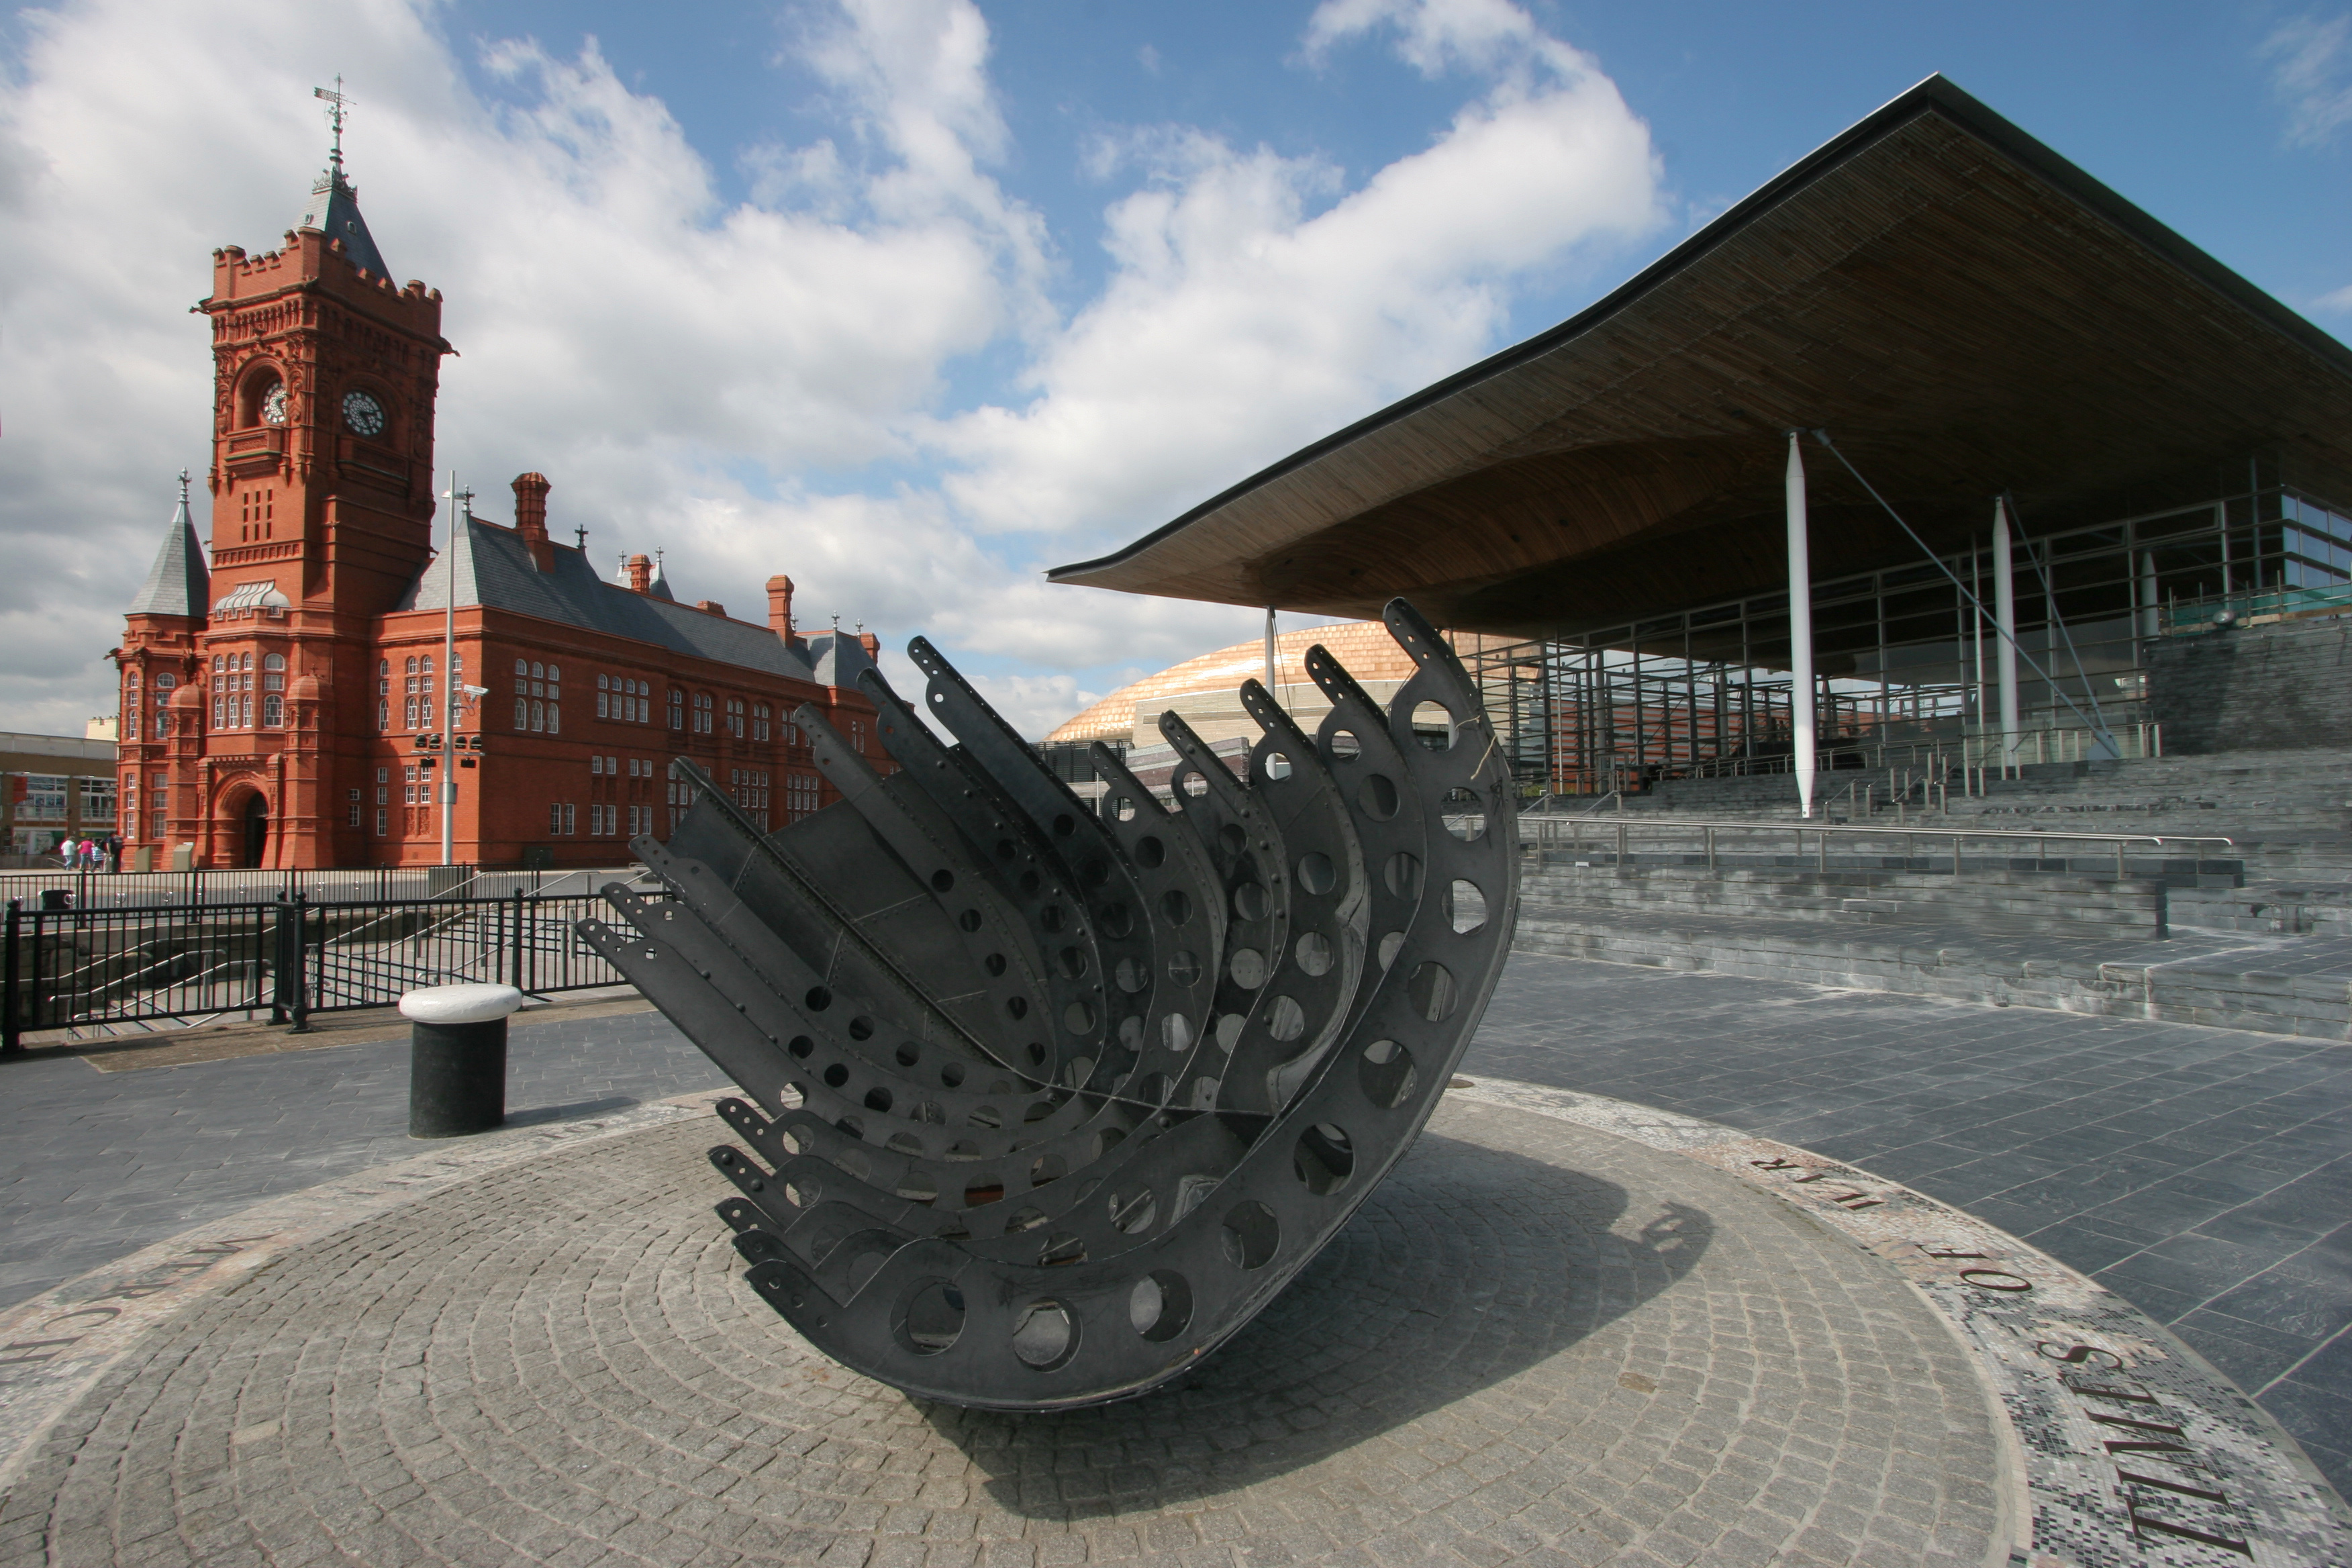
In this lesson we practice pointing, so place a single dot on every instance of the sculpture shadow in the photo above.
(1468, 1266)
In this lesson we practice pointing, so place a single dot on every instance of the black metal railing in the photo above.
(107, 963)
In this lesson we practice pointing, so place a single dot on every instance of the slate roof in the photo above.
(178, 584)
(334, 211)
(494, 569)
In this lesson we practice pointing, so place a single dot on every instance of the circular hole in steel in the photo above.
(1150, 853)
(968, 920)
(1029, 1218)
(1323, 1159)
(861, 1028)
(1387, 1074)
(1095, 872)
(1050, 917)
(1017, 1007)
(835, 1076)
(1123, 808)
(979, 1192)
(1176, 1032)
(1073, 961)
(1076, 1070)
(1229, 1030)
(1313, 951)
(1160, 1307)
(909, 1053)
(1432, 726)
(931, 1318)
(1251, 1235)
(1315, 872)
(1277, 766)
(941, 881)
(1389, 946)
(1376, 798)
(1045, 1335)
(1175, 908)
(1464, 814)
(1247, 968)
(1132, 1213)
(1154, 1090)
(993, 964)
(1465, 906)
(1249, 902)
(803, 1195)
(1431, 992)
(818, 999)
(986, 1116)
(800, 1046)
(1064, 824)
(1184, 966)
(1004, 849)
(877, 1098)
(1194, 784)
(913, 1185)
(1286, 1020)
(1403, 875)
(1343, 745)
(1047, 1168)
(1232, 836)
(951, 1074)
(1109, 1139)
(1078, 1018)
(1114, 920)
(1131, 977)
(1063, 1249)
(1029, 883)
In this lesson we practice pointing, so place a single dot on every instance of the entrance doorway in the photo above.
(256, 829)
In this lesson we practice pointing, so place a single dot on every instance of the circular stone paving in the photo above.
(1535, 1341)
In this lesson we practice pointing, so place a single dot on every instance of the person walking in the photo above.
(114, 854)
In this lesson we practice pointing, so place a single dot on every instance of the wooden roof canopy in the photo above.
(1963, 311)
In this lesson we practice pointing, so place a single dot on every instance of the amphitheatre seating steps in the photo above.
(2294, 986)
(2003, 901)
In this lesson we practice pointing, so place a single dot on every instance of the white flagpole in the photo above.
(449, 763)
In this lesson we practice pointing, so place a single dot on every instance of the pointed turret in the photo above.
(659, 585)
(178, 584)
(334, 211)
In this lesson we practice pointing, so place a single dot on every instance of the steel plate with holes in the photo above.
(1045, 1102)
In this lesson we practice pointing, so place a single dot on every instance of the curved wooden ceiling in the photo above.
(1961, 310)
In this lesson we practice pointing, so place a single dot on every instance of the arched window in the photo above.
(522, 713)
(677, 708)
(554, 719)
(603, 696)
(758, 721)
(702, 712)
(539, 716)
(273, 709)
(273, 661)
(523, 677)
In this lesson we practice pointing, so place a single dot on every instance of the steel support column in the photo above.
(1802, 700)
(2004, 617)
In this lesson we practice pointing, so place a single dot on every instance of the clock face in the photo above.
(363, 413)
(273, 404)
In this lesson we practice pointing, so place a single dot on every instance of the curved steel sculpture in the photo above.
(1048, 1101)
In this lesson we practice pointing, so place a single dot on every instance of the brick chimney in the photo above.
(711, 608)
(872, 645)
(641, 574)
(780, 608)
(531, 518)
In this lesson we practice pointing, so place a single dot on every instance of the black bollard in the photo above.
(457, 1058)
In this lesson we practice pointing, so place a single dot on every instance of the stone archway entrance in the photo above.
(255, 818)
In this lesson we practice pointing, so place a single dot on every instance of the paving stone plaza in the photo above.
(1543, 1339)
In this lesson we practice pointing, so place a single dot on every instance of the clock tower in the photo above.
(322, 505)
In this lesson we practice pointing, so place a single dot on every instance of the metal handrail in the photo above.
(1545, 832)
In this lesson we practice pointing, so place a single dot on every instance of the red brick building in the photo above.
(273, 702)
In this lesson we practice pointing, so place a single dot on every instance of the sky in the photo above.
(912, 299)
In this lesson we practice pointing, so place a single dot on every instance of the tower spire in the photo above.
(338, 105)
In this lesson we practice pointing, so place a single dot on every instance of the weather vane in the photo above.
(338, 106)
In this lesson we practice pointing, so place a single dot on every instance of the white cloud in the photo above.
(758, 386)
(2311, 73)
(1243, 320)
(2340, 299)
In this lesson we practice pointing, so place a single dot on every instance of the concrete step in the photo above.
(2008, 901)
(2274, 985)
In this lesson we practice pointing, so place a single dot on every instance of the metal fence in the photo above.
(1611, 841)
(106, 964)
(58, 887)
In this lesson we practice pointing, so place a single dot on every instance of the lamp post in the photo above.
(448, 767)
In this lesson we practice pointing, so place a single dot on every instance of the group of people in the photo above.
(92, 853)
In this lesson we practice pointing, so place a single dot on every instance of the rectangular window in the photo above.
(97, 802)
(567, 818)
(595, 766)
(355, 814)
(383, 822)
(162, 821)
(41, 798)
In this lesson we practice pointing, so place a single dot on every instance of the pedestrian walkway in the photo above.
(2203, 1175)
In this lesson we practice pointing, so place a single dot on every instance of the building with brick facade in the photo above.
(291, 704)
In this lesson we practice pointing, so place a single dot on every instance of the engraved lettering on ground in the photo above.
(161, 1276)
(2166, 1505)
(1854, 1198)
